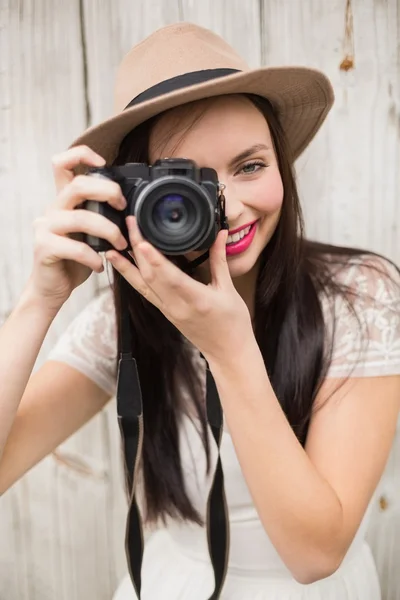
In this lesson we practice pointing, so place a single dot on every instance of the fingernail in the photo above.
(122, 244)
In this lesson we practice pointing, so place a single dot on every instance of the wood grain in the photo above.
(62, 525)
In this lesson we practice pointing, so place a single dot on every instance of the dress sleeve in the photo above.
(89, 343)
(366, 340)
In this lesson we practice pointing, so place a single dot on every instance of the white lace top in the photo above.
(176, 561)
(366, 342)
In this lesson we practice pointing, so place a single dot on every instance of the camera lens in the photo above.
(171, 212)
(175, 214)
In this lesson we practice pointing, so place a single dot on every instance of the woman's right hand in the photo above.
(60, 263)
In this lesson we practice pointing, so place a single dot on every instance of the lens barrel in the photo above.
(175, 214)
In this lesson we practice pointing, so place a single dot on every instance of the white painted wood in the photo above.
(61, 531)
(349, 176)
(237, 21)
(58, 526)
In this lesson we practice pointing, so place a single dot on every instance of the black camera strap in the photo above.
(130, 419)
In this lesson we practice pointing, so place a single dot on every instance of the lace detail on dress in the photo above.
(369, 347)
(366, 340)
(89, 343)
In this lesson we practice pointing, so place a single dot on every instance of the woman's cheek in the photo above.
(269, 197)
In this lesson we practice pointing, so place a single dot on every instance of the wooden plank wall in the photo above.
(61, 526)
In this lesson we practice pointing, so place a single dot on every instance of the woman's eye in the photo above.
(252, 167)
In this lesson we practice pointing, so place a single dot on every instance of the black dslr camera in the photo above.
(179, 207)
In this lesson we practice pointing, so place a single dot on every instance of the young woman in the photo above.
(301, 339)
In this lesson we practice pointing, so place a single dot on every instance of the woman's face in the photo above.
(230, 135)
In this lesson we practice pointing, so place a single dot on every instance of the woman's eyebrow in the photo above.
(246, 153)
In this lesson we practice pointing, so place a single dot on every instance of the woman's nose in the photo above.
(234, 207)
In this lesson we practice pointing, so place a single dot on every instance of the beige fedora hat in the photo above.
(184, 62)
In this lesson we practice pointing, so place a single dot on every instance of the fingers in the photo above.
(65, 216)
(135, 238)
(163, 283)
(166, 280)
(73, 190)
(84, 221)
(64, 163)
(134, 277)
(52, 248)
(219, 268)
(134, 231)
(86, 187)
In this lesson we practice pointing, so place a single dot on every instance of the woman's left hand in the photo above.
(213, 317)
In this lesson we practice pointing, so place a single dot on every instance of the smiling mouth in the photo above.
(239, 235)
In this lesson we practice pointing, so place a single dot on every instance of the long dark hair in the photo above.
(289, 327)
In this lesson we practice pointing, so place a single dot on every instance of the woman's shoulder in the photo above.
(362, 314)
(365, 275)
(96, 321)
(89, 343)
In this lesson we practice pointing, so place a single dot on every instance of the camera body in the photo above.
(178, 206)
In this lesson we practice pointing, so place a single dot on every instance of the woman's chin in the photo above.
(240, 265)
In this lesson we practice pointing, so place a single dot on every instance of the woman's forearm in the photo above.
(299, 510)
(21, 337)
